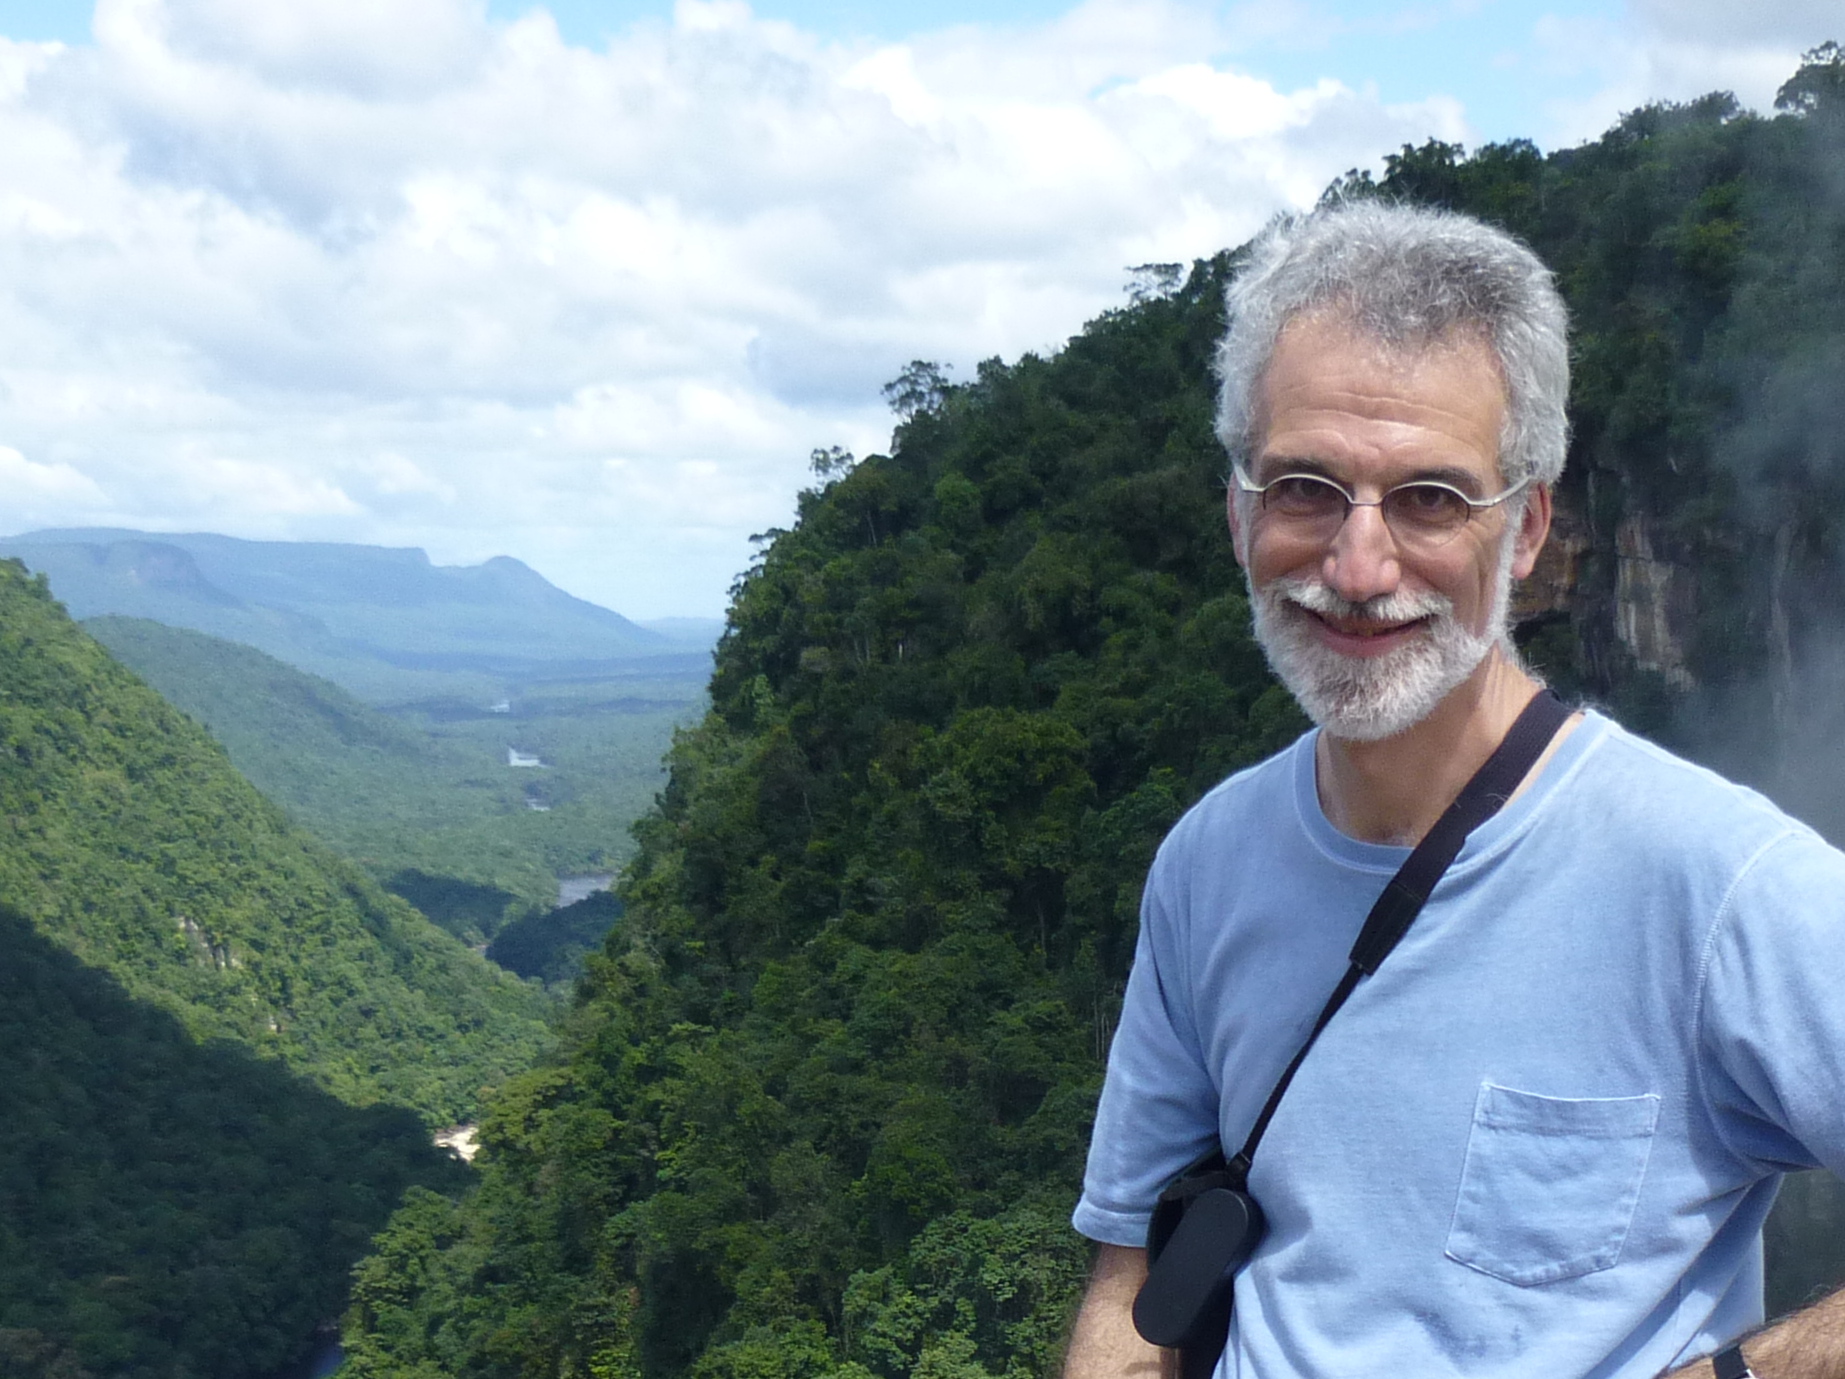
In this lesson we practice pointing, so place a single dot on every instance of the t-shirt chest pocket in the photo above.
(1549, 1184)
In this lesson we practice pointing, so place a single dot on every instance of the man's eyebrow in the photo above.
(1273, 466)
(1463, 479)
(1292, 464)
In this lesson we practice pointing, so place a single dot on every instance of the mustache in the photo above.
(1398, 607)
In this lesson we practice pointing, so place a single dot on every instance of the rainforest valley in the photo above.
(820, 1106)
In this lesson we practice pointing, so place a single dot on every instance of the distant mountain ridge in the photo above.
(352, 613)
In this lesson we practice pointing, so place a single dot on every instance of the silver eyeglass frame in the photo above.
(1245, 484)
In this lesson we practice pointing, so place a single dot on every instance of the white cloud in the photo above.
(1790, 25)
(46, 488)
(1679, 50)
(380, 270)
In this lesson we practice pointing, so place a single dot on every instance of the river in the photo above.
(571, 889)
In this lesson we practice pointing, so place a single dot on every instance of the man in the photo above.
(1541, 1140)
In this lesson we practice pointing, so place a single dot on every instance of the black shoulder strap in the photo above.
(1402, 900)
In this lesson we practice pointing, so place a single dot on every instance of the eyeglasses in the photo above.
(1424, 513)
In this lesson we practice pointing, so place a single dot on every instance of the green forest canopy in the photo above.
(415, 794)
(221, 1047)
(822, 1106)
(171, 1209)
(131, 841)
(172, 1204)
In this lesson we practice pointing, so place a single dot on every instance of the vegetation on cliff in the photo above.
(221, 1047)
(822, 1104)
(127, 838)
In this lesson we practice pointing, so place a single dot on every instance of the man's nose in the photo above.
(1362, 562)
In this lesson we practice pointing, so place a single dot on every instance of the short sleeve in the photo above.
(1159, 1107)
(1772, 1018)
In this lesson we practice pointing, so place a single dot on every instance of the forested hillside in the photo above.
(551, 946)
(822, 1106)
(411, 795)
(131, 842)
(222, 1048)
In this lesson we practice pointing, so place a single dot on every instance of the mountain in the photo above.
(171, 1208)
(300, 739)
(822, 1104)
(383, 622)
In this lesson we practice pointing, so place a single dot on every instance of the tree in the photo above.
(920, 388)
(1819, 84)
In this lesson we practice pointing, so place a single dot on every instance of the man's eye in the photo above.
(1432, 504)
(1302, 493)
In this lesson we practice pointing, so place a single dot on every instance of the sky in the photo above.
(586, 283)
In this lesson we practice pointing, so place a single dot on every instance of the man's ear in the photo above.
(1533, 528)
(1239, 538)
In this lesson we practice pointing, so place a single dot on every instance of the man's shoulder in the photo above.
(1625, 764)
(1622, 785)
(1631, 788)
(1262, 795)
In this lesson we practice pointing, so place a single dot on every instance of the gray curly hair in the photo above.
(1411, 278)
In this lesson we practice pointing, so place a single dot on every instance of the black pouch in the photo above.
(1204, 1228)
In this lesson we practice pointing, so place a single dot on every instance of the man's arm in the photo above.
(1104, 1344)
(1808, 1345)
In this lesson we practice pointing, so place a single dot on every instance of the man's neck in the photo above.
(1393, 791)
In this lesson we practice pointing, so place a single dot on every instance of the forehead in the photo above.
(1336, 395)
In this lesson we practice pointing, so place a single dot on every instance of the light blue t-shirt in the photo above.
(1542, 1139)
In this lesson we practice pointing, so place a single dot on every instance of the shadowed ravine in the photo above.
(168, 1207)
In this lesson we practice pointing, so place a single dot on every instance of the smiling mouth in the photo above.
(1364, 628)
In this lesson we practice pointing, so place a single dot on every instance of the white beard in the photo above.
(1368, 698)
